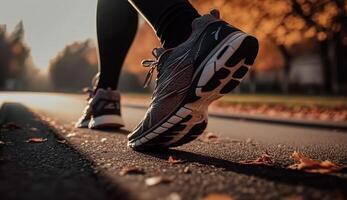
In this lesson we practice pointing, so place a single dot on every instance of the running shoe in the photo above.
(102, 111)
(84, 120)
(210, 64)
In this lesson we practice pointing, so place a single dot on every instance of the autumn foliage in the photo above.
(288, 26)
(285, 28)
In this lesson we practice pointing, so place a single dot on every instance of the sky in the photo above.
(50, 24)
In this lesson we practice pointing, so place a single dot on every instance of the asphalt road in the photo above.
(212, 167)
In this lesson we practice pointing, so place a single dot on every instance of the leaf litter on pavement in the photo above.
(264, 159)
(297, 110)
(302, 163)
(310, 165)
(172, 160)
(36, 140)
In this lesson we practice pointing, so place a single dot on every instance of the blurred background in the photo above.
(49, 46)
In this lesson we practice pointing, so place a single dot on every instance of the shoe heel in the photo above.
(106, 121)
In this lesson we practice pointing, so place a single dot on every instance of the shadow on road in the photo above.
(287, 176)
(45, 170)
(114, 130)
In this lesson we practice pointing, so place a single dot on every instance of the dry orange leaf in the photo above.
(131, 170)
(307, 164)
(172, 160)
(217, 197)
(36, 140)
(264, 159)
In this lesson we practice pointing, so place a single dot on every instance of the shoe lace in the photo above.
(152, 64)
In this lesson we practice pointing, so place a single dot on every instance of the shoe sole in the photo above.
(220, 73)
(106, 121)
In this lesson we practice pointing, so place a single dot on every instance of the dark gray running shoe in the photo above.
(84, 120)
(211, 63)
(102, 111)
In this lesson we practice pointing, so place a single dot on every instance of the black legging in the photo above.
(117, 23)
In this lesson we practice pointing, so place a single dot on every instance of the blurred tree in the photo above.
(36, 79)
(74, 67)
(291, 22)
(13, 54)
(4, 55)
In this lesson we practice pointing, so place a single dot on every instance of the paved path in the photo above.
(212, 168)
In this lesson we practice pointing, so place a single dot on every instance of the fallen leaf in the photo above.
(298, 110)
(131, 170)
(152, 181)
(264, 159)
(62, 141)
(10, 126)
(36, 140)
(2, 142)
(307, 164)
(215, 196)
(172, 160)
(209, 137)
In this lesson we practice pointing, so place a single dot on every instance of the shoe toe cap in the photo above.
(137, 132)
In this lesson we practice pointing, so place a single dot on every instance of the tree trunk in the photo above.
(327, 67)
(252, 82)
(286, 69)
(340, 52)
